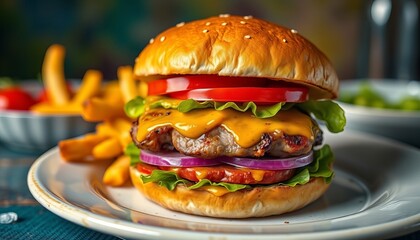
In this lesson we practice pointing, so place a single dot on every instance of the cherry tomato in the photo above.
(188, 82)
(245, 94)
(14, 98)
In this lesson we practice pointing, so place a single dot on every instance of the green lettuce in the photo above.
(320, 167)
(135, 107)
(167, 103)
(170, 180)
(327, 111)
(133, 152)
(258, 111)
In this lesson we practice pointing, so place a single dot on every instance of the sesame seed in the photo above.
(224, 15)
(224, 23)
(205, 31)
(180, 24)
(242, 22)
(247, 36)
(151, 40)
(248, 17)
(284, 40)
(208, 23)
(294, 31)
(162, 38)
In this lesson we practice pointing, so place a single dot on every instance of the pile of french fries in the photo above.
(56, 86)
(96, 102)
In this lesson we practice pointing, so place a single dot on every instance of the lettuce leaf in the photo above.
(138, 105)
(165, 103)
(133, 152)
(170, 180)
(258, 111)
(320, 167)
(328, 111)
(135, 107)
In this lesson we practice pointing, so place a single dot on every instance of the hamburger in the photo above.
(230, 126)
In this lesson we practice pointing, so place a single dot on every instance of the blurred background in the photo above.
(362, 38)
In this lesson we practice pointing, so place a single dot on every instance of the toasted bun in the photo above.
(238, 46)
(257, 202)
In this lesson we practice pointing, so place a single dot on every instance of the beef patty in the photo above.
(220, 142)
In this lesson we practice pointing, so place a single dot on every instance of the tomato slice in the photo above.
(246, 94)
(224, 173)
(228, 89)
(189, 82)
(230, 174)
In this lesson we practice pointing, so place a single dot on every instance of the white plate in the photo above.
(375, 194)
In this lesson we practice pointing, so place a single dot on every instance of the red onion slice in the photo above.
(270, 164)
(175, 159)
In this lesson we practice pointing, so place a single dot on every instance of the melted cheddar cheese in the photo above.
(245, 127)
(258, 175)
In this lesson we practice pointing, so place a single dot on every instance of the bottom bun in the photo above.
(256, 202)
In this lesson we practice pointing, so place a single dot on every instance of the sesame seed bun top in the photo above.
(238, 46)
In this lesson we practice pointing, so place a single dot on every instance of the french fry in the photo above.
(111, 93)
(142, 89)
(47, 108)
(118, 172)
(127, 83)
(121, 124)
(96, 102)
(107, 149)
(91, 84)
(107, 129)
(79, 149)
(53, 75)
(123, 127)
(97, 109)
(118, 128)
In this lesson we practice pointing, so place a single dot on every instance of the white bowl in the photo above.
(392, 123)
(29, 132)
(25, 131)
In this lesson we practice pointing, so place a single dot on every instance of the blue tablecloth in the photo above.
(34, 221)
